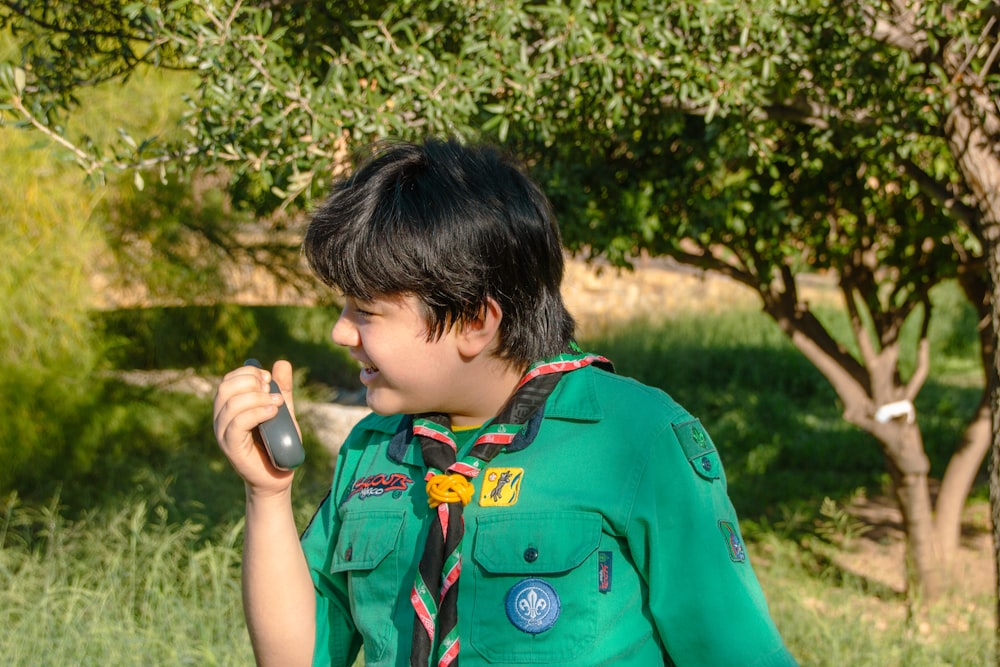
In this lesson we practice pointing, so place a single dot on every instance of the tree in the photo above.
(760, 139)
(959, 50)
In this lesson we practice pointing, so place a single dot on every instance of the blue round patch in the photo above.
(532, 606)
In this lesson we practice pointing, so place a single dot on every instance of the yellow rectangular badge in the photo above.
(501, 487)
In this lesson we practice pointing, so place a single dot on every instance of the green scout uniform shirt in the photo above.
(614, 523)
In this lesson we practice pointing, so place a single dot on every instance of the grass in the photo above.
(135, 560)
(164, 595)
(830, 618)
(130, 587)
(47, 347)
(121, 587)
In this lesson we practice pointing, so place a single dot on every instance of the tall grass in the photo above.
(118, 587)
(135, 559)
(830, 618)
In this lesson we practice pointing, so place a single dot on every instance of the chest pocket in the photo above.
(367, 550)
(546, 565)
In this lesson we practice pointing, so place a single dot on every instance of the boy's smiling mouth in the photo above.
(368, 373)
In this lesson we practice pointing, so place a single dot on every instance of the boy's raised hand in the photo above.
(243, 401)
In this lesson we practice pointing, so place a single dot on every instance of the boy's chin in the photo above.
(385, 405)
(392, 405)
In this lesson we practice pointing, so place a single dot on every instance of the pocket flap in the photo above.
(535, 543)
(365, 539)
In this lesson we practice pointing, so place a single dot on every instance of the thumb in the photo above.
(281, 373)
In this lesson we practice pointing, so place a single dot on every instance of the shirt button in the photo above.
(349, 553)
(531, 554)
(706, 464)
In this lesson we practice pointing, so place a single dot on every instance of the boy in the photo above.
(511, 500)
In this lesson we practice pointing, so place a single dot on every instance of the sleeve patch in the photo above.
(734, 544)
(699, 449)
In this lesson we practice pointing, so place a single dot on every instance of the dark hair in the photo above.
(451, 225)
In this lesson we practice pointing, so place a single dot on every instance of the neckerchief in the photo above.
(435, 591)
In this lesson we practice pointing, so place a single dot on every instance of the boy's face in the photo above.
(402, 370)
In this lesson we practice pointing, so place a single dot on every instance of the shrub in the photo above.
(48, 351)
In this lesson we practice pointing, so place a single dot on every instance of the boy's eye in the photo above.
(361, 309)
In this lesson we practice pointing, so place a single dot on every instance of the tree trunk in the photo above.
(909, 468)
(963, 466)
(991, 234)
(899, 438)
(995, 501)
(971, 128)
(965, 463)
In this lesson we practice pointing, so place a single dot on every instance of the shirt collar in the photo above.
(573, 399)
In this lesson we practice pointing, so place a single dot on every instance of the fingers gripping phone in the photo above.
(281, 440)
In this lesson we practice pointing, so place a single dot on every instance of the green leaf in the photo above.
(19, 80)
(127, 138)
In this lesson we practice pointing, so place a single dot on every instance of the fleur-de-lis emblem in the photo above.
(532, 605)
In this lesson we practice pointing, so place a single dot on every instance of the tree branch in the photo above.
(922, 365)
(92, 164)
(899, 30)
(941, 192)
(89, 163)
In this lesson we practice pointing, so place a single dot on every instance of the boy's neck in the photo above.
(486, 392)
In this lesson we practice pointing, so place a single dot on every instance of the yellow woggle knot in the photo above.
(448, 489)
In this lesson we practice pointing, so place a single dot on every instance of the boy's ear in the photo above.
(477, 335)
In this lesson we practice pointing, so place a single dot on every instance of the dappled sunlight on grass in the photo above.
(831, 618)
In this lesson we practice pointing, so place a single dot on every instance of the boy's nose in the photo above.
(344, 332)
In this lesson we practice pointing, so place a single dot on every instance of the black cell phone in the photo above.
(281, 440)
